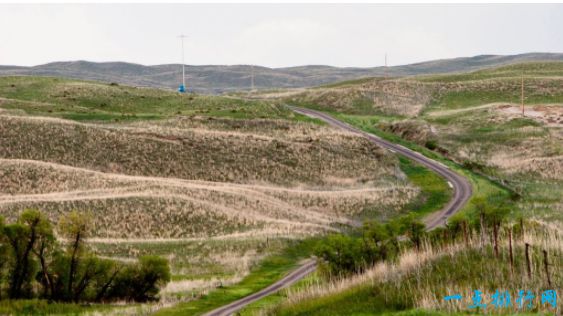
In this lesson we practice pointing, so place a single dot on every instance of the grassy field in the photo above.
(472, 119)
(42, 307)
(469, 122)
(412, 96)
(533, 69)
(221, 175)
(234, 183)
(270, 270)
(223, 187)
(97, 101)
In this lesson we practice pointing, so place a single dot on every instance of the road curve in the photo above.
(460, 186)
(296, 275)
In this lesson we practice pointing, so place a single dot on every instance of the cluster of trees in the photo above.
(344, 254)
(34, 264)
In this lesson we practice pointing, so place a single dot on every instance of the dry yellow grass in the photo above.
(170, 207)
(198, 153)
(393, 96)
(194, 177)
(412, 275)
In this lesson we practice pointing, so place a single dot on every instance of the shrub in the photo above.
(431, 144)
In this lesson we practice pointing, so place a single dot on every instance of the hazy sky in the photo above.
(274, 35)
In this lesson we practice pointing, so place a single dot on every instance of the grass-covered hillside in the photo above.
(99, 101)
(411, 96)
(214, 184)
(472, 118)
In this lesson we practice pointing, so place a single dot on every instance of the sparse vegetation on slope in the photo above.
(475, 120)
(214, 184)
(344, 175)
(413, 95)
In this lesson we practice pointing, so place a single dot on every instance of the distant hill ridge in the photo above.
(223, 78)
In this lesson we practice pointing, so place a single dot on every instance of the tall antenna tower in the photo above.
(182, 87)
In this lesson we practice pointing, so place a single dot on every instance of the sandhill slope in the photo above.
(473, 118)
(184, 176)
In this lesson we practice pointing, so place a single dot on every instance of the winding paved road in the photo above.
(296, 275)
(459, 184)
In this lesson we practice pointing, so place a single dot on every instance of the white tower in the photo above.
(182, 88)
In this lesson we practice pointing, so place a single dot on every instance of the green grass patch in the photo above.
(435, 192)
(267, 272)
(43, 307)
(350, 82)
(536, 69)
(482, 186)
(98, 101)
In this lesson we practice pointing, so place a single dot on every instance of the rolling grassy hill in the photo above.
(217, 79)
(215, 184)
(473, 118)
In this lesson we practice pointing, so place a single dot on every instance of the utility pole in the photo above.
(522, 89)
(182, 88)
(385, 65)
(251, 77)
(375, 83)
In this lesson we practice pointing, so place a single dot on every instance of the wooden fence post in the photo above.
(529, 269)
(510, 250)
(482, 222)
(546, 267)
(495, 238)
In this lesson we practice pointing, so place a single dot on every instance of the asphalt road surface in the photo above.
(288, 280)
(459, 184)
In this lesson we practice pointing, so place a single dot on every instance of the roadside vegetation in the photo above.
(489, 253)
(271, 269)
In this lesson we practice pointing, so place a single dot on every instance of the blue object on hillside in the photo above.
(181, 88)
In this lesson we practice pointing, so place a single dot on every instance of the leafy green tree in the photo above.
(414, 229)
(23, 237)
(380, 241)
(105, 281)
(74, 227)
(154, 273)
(29, 249)
(141, 282)
(459, 225)
(44, 251)
(3, 255)
(341, 253)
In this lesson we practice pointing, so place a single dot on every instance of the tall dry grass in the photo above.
(422, 279)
